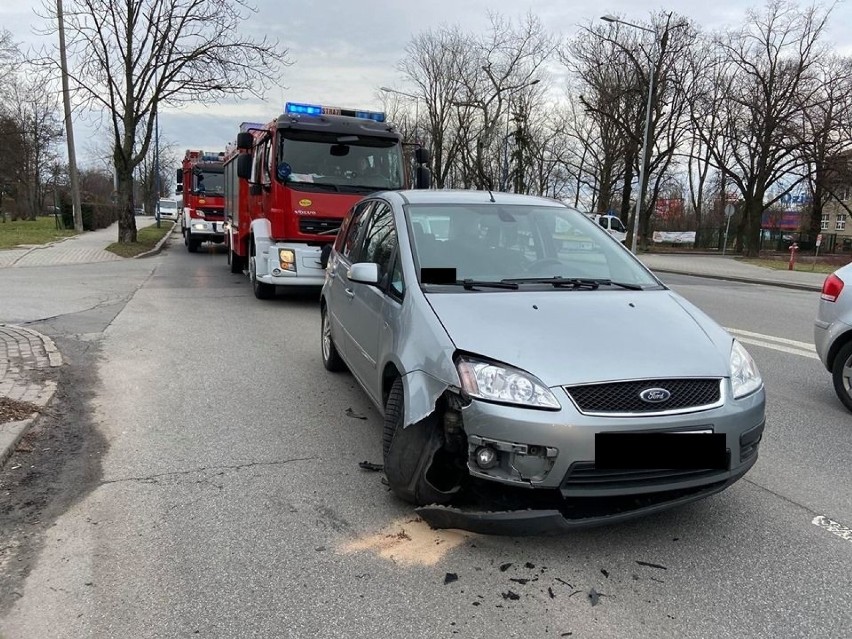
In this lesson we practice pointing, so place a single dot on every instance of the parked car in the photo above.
(833, 331)
(611, 224)
(523, 357)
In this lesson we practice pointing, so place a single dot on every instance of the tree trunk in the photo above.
(126, 214)
(753, 223)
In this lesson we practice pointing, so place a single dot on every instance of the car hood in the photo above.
(569, 337)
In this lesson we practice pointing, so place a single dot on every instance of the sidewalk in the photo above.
(27, 381)
(87, 248)
(731, 269)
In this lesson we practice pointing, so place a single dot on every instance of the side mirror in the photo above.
(422, 177)
(179, 189)
(245, 141)
(421, 155)
(244, 166)
(325, 253)
(179, 176)
(255, 189)
(364, 273)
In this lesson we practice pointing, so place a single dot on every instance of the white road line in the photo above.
(791, 346)
(833, 527)
(781, 340)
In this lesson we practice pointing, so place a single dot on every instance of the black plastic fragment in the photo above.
(650, 565)
(513, 596)
(505, 567)
(352, 413)
(450, 577)
(365, 465)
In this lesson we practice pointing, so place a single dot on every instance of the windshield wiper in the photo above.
(469, 284)
(575, 282)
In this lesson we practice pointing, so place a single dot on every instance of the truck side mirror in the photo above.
(422, 177)
(422, 156)
(244, 166)
(245, 141)
(179, 188)
(179, 177)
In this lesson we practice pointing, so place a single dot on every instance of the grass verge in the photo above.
(41, 230)
(146, 239)
(805, 264)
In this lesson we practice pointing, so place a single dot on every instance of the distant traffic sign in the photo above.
(729, 210)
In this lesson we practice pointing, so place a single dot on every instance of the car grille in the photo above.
(212, 212)
(583, 478)
(319, 225)
(623, 397)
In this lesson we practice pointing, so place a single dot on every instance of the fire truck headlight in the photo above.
(287, 257)
(199, 226)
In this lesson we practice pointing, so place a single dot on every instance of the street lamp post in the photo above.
(416, 106)
(645, 141)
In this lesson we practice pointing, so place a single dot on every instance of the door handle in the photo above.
(349, 293)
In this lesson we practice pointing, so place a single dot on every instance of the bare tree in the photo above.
(35, 109)
(827, 136)
(131, 57)
(771, 65)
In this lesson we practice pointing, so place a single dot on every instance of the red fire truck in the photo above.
(200, 179)
(290, 183)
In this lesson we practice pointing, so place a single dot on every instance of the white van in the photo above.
(168, 209)
(611, 223)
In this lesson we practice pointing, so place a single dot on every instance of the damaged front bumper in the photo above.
(549, 521)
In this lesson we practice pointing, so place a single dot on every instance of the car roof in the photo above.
(459, 196)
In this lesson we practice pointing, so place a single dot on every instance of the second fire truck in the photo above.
(290, 183)
(201, 181)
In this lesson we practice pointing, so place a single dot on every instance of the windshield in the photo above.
(168, 204)
(209, 182)
(367, 163)
(496, 242)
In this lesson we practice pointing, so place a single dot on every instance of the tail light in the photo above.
(831, 288)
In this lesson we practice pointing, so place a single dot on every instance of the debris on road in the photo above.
(509, 595)
(605, 573)
(450, 577)
(505, 567)
(11, 410)
(595, 597)
(650, 565)
(352, 413)
(376, 468)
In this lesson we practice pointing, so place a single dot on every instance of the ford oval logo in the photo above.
(654, 395)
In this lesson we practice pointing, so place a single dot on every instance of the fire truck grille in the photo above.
(212, 212)
(319, 225)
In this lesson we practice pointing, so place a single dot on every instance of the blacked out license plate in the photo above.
(647, 451)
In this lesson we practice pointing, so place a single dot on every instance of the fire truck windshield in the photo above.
(308, 158)
(209, 182)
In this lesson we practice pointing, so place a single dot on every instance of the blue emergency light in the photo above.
(316, 109)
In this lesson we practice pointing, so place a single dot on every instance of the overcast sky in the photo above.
(344, 51)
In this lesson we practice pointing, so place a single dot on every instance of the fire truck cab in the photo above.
(290, 183)
(201, 181)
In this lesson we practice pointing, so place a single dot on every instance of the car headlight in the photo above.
(500, 383)
(745, 378)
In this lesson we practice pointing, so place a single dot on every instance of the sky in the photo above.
(344, 51)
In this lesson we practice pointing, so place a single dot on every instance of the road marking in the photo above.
(833, 527)
(803, 349)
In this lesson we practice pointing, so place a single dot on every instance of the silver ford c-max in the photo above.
(528, 366)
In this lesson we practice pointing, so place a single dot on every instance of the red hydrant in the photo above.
(794, 248)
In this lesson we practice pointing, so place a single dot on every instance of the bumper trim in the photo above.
(533, 522)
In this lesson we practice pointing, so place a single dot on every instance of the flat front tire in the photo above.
(409, 452)
(841, 374)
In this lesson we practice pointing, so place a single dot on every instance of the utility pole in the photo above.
(69, 127)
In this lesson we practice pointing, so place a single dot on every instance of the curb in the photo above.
(12, 432)
(742, 280)
(160, 244)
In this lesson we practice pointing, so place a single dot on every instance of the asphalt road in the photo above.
(224, 497)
